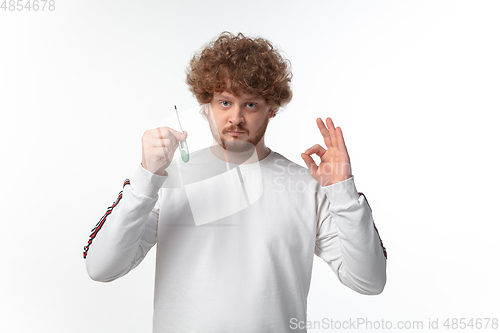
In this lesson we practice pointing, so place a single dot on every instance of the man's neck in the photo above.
(252, 155)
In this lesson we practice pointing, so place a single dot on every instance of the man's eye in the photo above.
(251, 105)
(225, 103)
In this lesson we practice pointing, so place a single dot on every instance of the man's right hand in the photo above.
(158, 148)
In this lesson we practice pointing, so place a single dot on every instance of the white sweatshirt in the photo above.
(235, 243)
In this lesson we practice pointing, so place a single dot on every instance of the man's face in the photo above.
(238, 123)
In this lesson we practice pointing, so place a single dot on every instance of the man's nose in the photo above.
(236, 115)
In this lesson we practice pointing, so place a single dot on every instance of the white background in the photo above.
(413, 84)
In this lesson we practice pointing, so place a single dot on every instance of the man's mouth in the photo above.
(235, 133)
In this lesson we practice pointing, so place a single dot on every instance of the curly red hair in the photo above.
(249, 65)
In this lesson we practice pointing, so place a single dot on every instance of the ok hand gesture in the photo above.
(335, 165)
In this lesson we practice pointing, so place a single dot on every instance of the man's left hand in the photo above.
(335, 165)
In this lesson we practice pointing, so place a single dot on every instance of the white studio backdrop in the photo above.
(413, 85)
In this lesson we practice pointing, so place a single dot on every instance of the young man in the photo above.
(237, 227)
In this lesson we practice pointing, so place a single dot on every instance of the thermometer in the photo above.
(183, 143)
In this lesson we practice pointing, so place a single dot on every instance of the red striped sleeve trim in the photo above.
(99, 224)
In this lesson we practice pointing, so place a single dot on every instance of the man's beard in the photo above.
(238, 145)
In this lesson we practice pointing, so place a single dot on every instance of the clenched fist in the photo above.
(158, 148)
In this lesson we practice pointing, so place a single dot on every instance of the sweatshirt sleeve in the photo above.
(127, 231)
(347, 239)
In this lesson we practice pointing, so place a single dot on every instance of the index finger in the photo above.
(166, 133)
(163, 133)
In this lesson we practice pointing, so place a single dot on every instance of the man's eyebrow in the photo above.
(225, 95)
(253, 98)
(250, 98)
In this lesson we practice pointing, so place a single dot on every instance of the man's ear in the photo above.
(205, 108)
(273, 112)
